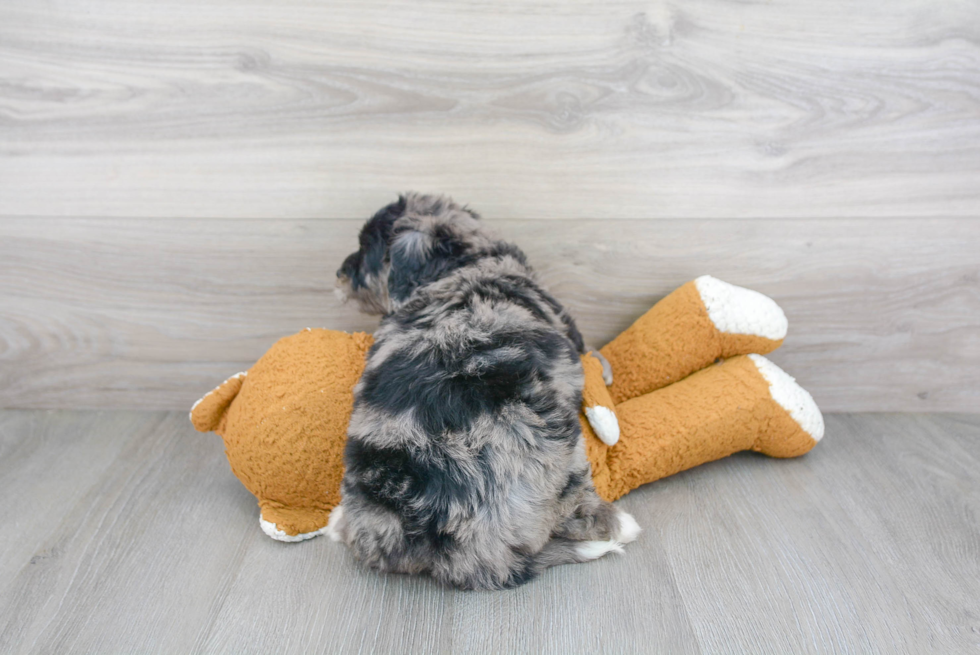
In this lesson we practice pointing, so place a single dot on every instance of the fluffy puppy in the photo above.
(465, 457)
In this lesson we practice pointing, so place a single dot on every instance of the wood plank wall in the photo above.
(180, 179)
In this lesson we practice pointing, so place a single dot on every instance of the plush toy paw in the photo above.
(789, 395)
(604, 424)
(273, 531)
(737, 310)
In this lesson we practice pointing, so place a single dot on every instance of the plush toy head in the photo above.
(284, 425)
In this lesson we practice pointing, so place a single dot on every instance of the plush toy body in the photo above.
(670, 407)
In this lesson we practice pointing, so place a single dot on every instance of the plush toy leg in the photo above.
(746, 403)
(692, 327)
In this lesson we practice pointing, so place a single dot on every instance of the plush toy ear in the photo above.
(208, 413)
(423, 249)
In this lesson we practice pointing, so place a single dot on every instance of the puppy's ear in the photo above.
(369, 261)
(423, 250)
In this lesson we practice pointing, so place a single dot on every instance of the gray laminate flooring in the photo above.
(126, 532)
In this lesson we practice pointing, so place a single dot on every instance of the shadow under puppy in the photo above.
(465, 458)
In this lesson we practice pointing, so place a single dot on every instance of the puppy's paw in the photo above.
(595, 549)
(333, 523)
(629, 529)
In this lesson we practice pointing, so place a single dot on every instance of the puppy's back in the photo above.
(465, 435)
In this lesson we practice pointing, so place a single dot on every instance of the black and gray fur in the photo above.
(465, 457)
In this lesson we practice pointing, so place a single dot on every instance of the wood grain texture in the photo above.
(629, 109)
(856, 541)
(153, 314)
(141, 548)
(868, 544)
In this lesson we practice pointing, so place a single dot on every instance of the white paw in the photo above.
(737, 310)
(335, 516)
(596, 549)
(605, 424)
(272, 530)
(629, 529)
(791, 396)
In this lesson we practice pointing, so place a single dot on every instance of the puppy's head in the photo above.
(411, 242)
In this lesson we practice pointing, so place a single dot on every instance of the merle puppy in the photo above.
(465, 457)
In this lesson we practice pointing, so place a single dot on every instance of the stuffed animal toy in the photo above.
(690, 386)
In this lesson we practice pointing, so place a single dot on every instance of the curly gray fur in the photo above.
(465, 457)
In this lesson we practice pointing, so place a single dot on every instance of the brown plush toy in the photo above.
(690, 386)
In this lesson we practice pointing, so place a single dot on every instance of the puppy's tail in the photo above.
(560, 551)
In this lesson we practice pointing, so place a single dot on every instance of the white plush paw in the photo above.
(629, 529)
(272, 530)
(604, 422)
(335, 516)
(791, 396)
(596, 549)
(737, 310)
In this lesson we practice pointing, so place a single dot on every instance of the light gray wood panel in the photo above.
(868, 544)
(884, 315)
(543, 109)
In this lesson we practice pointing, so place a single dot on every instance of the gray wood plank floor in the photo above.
(126, 532)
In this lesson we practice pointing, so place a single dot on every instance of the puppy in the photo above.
(465, 458)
